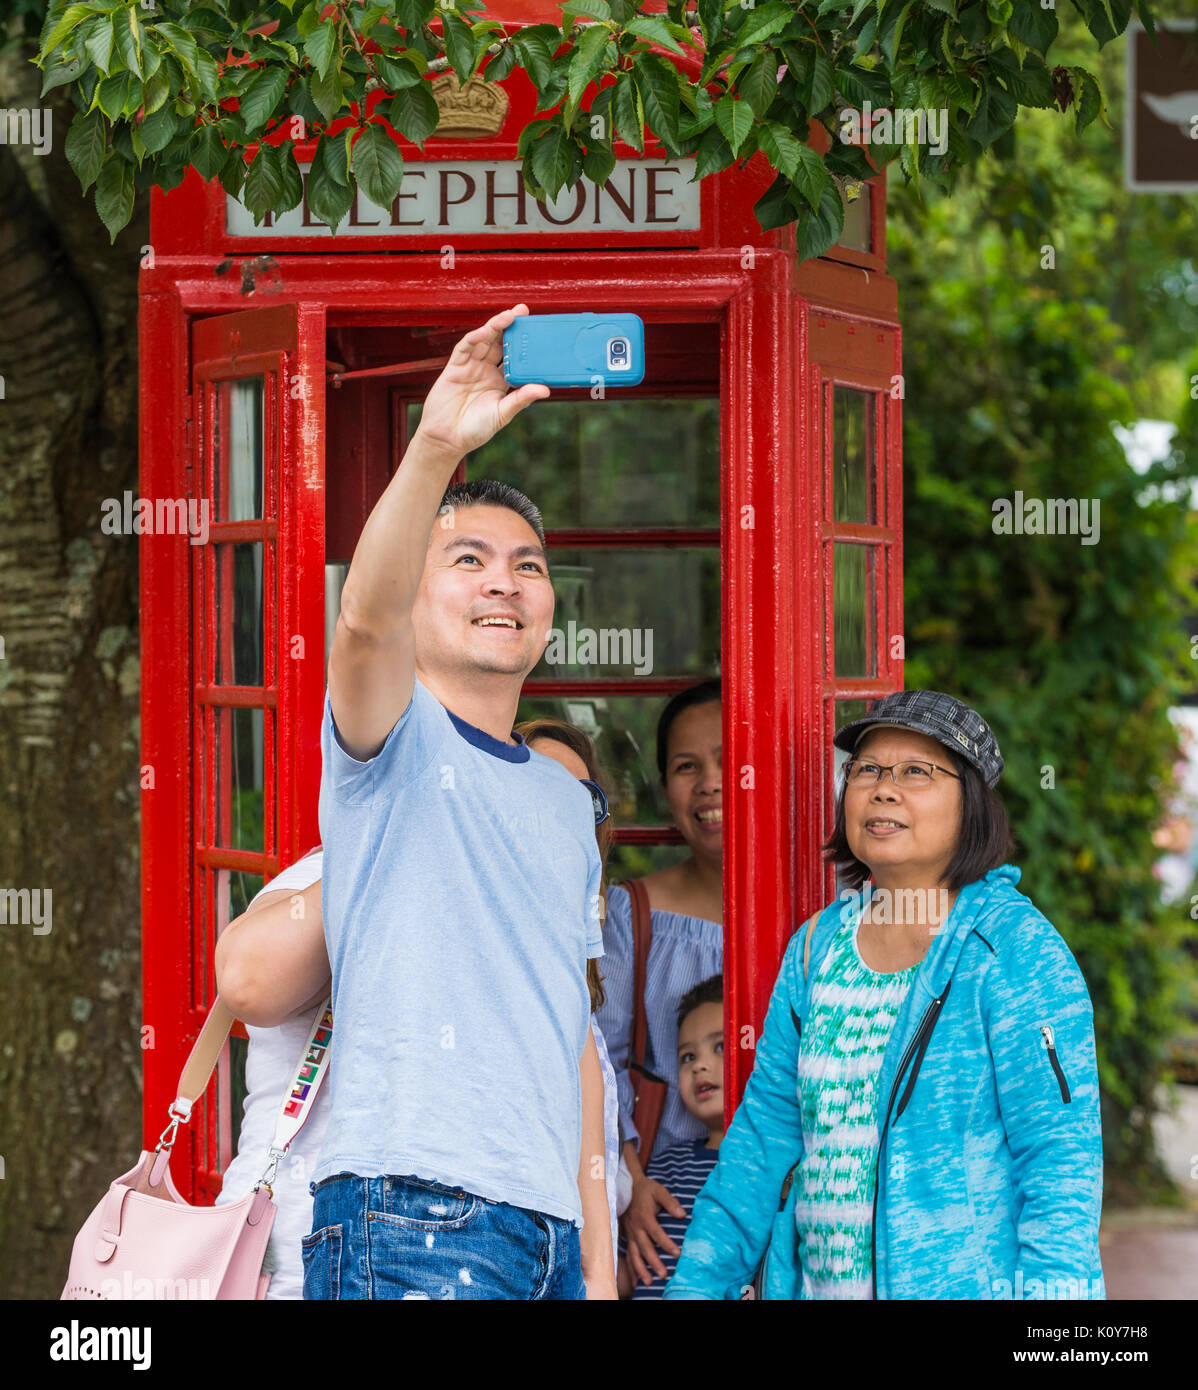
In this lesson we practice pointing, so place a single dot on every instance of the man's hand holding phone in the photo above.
(470, 401)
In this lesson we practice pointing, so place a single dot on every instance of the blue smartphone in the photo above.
(575, 350)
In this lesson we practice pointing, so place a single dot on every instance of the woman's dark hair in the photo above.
(700, 694)
(580, 743)
(983, 842)
(708, 991)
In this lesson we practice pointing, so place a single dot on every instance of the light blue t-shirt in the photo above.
(461, 902)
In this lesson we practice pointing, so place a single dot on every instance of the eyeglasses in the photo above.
(598, 800)
(908, 775)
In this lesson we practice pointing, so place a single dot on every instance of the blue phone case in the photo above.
(575, 350)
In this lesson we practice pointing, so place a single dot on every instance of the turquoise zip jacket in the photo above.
(989, 1168)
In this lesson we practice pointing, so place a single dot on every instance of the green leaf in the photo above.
(99, 40)
(891, 32)
(413, 13)
(1033, 26)
(821, 90)
(591, 9)
(85, 147)
(553, 158)
(654, 30)
(1089, 97)
(114, 195)
(261, 97)
(333, 154)
(320, 46)
(459, 45)
(395, 73)
(714, 153)
(72, 17)
(763, 22)
(536, 52)
(758, 83)
(328, 200)
(711, 20)
(291, 191)
(820, 228)
(158, 129)
(263, 182)
(378, 165)
(626, 112)
(1030, 85)
(586, 60)
(598, 162)
(114, 94)
(181, 43)
(232, 175)
(413, 112)
(501, 64)
(657, 83)
(776, 206)
(327, 92)
(207, 75)
(812, 177)
(207, 150)
(781, 147)
(127, 33)
(157, 89)
(59, 74)
(735, 120)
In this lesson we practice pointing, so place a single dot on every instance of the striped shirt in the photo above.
(853, 1009)
(682, 1169)
(684, 951)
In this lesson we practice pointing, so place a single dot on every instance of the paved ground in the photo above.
(1154, 1253)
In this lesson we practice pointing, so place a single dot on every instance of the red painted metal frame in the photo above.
(786, 332)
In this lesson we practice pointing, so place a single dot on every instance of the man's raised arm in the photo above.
(372, 666)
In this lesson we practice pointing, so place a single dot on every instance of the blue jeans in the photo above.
(405, 1237)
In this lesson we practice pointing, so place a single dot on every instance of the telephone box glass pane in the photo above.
(623, 729)
(238, 449)
(611, 463)
(845, 712)
(852, 427)
(853, 600)
(644, 612)
(858, 220)
(239, 613)
(240, 791)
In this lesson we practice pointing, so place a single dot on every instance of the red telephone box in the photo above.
(743, 505)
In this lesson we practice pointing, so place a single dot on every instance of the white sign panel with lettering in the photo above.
(480, 196)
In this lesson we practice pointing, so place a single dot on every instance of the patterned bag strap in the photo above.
(296, 1107)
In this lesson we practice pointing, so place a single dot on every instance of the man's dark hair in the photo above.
(699, 694)
(709, 991)
(983, 842)
(486, 492)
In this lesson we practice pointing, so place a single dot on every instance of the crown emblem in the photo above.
(469, 112)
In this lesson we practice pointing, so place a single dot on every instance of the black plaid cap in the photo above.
(942, 717)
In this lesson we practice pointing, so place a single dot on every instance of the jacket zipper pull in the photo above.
(1051, 1048)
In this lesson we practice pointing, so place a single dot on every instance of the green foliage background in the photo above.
(1075, 653)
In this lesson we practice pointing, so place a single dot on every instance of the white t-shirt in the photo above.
(270, 1065)
(271, 1061)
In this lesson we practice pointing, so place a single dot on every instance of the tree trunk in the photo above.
(70, 1056)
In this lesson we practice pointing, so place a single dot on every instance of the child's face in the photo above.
(701, 1063)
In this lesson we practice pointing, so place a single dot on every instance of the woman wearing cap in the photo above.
(924, 1094)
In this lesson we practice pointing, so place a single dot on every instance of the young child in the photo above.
(684, 1167)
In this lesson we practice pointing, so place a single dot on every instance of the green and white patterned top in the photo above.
(852, 1014)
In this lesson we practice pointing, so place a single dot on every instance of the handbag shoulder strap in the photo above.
(642, 938)
(296, 1106)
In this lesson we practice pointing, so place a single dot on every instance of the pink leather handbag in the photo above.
(144, 1241)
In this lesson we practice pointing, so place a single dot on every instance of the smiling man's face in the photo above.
(485, 601)
(913, 831)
